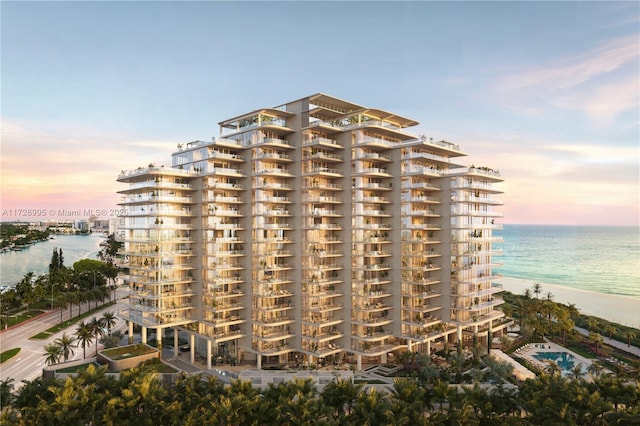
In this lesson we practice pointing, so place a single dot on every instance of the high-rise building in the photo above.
(318, 229)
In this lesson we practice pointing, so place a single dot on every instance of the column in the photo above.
(208, 354)
(383, 358)
(259, 361)
(408, 345)
(459, 333)
(359, 362)
(175, 342)
(159, 333)
(130, 332)
(192, 347)
(429, 347)
(144, 334)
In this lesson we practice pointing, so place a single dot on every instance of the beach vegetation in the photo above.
(136, 397)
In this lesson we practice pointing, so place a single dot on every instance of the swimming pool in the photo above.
(565, 360)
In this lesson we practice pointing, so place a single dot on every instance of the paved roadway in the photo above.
(29, 362)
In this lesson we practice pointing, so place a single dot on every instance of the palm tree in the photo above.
(85, 336)
(576, 371)
(407, 401)
(97, 329)
(340, 395)
(596, 338)
(109, 320)
(72, 298)
(520, 307)
(6, 389)
(610, 330)
(573, 311)
(52, 352)
(595, 369)
(111, 340)
(629, 334)
(62, 301)
(537, 289)
(372, 408)
(66, 344)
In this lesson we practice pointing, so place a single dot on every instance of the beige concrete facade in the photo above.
(318, 229)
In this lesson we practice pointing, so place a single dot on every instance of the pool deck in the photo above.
(530, 349)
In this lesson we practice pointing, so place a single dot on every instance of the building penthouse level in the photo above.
(316, 230)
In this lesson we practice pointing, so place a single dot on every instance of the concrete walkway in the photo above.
(633, 350)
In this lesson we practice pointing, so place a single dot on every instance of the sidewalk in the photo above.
(633, 350)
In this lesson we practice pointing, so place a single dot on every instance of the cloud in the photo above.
(601, 83)
(580, 69)
(604, 103)
(51, 165)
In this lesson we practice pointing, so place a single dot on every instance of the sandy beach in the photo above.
(621, 309)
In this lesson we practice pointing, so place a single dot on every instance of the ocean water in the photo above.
(36, 258)
(601, 259)
(604, 259)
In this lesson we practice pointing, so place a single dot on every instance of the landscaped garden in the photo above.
(128, 351)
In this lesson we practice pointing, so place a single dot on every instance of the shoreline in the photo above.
(624, 310)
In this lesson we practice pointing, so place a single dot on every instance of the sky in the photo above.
(546, 92)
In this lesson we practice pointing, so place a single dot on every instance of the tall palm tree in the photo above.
(52, 354)
(573, 311)
(629, 334)
(576, 371)
(6, 392)
(109, 320)
(407, 401)
(596, 338)
(85, 336)
(372, 408)
(62, 301)
(66, 343)
(610, 330)
(537, 289)
(595, 369)
(97, 329)
(340, 395)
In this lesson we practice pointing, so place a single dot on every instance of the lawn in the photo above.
(128, 351)
(8, 354)
(77, 368)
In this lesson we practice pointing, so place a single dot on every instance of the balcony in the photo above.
(274, 156)
(226, 156)
(323, 141)
(226, 171)
(275, 171)
(375, 171)
(325, 171)
(281, 143)
(324, 156)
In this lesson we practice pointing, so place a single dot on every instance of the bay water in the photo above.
(15, 264)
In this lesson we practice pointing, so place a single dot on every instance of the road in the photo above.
(29, 362)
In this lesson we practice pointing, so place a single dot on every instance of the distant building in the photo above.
(315, 230)
(100, 225)
(82, 226)
(115, 228)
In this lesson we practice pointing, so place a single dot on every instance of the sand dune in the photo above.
(621, 309)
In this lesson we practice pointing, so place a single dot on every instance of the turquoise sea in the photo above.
(15, 264)
(601, 259)
(604, 259)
